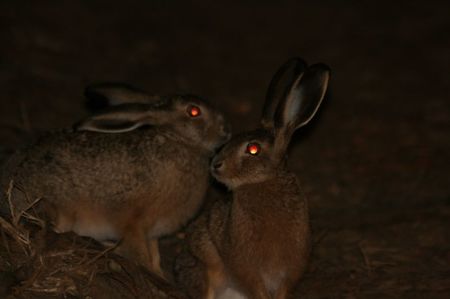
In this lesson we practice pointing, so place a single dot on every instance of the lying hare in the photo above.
(135, 186)
(257, 245)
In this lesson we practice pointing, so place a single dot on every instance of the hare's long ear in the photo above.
(103, 95)
(279, 86)
(300, 104)
(123, 118)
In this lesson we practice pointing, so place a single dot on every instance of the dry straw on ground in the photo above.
(35, 262)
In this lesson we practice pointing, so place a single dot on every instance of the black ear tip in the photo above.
(90, 91)
(101, 95)
(296, 62)
(321, 67)
(296, 59)
(76, 126)
(94, 88)
(95, 101)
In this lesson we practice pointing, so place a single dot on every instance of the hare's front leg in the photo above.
(215, 280)
(155, 259)
(254, 285)
(215, 272)
(146, 252)
(134, 246)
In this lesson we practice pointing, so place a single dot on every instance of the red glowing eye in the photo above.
(253, 148)
(194, 111)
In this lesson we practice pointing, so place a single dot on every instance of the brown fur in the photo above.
(264, 230)
(134, 186)
(258, 243)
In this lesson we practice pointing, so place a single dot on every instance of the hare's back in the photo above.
(81, 165)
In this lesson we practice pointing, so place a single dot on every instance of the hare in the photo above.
(257, 244)
(109, 180)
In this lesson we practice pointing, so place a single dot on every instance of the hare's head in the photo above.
(191, 118)
(196, 120)
(294, 96)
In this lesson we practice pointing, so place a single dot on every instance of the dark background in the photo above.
(374, 163)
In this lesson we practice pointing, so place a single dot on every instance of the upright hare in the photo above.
(257, 244)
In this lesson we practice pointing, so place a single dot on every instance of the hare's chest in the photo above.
(231, 293)
(176, 202)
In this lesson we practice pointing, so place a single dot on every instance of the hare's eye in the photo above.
(253, 148)
(193, 111)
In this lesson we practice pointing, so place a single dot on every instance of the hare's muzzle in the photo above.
(216, 166)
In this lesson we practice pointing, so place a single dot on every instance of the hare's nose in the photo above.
(217, 165)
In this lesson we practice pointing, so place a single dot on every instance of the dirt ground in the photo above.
(374, 164)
